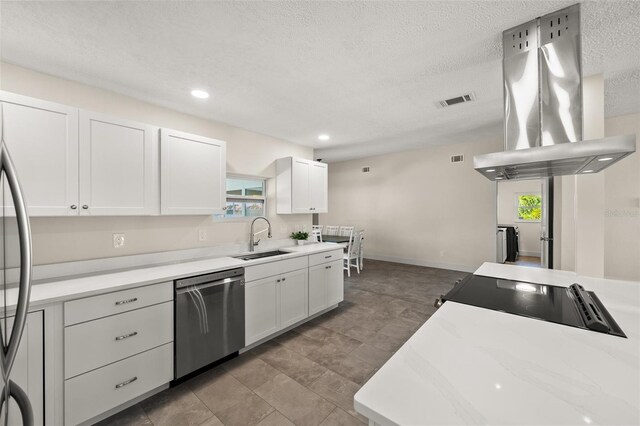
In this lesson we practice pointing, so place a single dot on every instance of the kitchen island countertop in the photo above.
(469, 365)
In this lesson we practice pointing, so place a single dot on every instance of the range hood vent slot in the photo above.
(467, 97)
(457, 158)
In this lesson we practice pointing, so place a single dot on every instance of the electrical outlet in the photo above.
(441, 253)
(118, 240)
(202, 235)
(297, 228)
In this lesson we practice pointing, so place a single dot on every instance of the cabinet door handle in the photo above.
(126, 336)
(124, 302)
(73, 207)
(327, 267)
(284, 279)
(126, 382)
(277, 281)
(328, 257)
(84, 206)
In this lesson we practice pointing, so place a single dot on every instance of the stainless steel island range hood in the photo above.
(542, 71)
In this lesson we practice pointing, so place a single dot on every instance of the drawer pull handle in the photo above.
(123, 302)
(126, 336)
(328, 257)
(125, 383)
(327, 267)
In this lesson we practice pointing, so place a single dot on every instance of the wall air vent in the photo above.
(468, 97)
(366, 170)
(457, 158)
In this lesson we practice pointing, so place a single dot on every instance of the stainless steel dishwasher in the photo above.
(209, 319)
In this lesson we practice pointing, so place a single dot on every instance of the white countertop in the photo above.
(468, 365)
(89, 285)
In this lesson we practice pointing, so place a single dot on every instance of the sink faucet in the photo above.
(252, 235)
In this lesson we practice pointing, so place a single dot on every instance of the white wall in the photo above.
(622, 206)
(529, 241)
(77, 238)
(416, 207)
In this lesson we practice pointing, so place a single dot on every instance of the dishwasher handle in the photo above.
(190, 287)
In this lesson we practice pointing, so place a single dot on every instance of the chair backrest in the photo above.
(356, 244)
(316, 236)
(345, 231)
(318, 227)
(331, 230)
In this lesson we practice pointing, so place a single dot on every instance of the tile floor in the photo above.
(307, 376)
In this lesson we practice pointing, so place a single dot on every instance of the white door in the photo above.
(318, 187)
(118, 166)
(293, 297)
(261, 303)
(192, 174)
(300, 186)
(318, 288)
(335, 283)
(42, 138)
(28, 369)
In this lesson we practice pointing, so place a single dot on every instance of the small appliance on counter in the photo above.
(572, 306)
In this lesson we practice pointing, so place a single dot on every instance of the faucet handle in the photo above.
(256, 243)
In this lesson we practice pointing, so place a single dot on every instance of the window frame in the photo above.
(517, 206)
(264, 198)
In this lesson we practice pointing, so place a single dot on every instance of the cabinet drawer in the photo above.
(327, 256)
(93, 393)
(277, 267)
(96, 343)
(117, 302)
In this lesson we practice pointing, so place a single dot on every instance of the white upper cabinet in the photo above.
(192, 174)
(301, 186)
(118, 166)
(42, 138)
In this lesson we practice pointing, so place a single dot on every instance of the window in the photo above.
(529, 207)
(246, 197)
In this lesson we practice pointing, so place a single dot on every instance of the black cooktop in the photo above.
(572, 306)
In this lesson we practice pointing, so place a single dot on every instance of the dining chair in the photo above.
(351, 257)
(331, 230)
(345, 231)
(316, 236)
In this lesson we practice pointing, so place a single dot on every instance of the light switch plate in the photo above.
(202, 235)
(118, 240)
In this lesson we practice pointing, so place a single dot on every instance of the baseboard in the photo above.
(420, 262)
(530, 253)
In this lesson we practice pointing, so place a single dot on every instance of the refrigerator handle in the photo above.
(10, 349)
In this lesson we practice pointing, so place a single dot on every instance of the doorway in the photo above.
(525, 223)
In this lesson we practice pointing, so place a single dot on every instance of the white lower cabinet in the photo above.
(100, 390)
(28, 369)
(121, 348)
(274, 303)
(293, 297)
(261, 309)
(326, 286)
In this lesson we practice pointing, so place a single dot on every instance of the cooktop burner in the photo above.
(572, 306)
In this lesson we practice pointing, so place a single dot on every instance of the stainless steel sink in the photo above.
(261, 255)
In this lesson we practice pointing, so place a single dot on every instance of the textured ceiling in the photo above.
(367, 73)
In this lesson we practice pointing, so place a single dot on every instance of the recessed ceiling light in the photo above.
(587, 171)
(200, 94)
(491, 170)
(323, 137)
(605, 159)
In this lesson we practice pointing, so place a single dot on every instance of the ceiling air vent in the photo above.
(457, 100)
(457, 158)
(365, 170)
